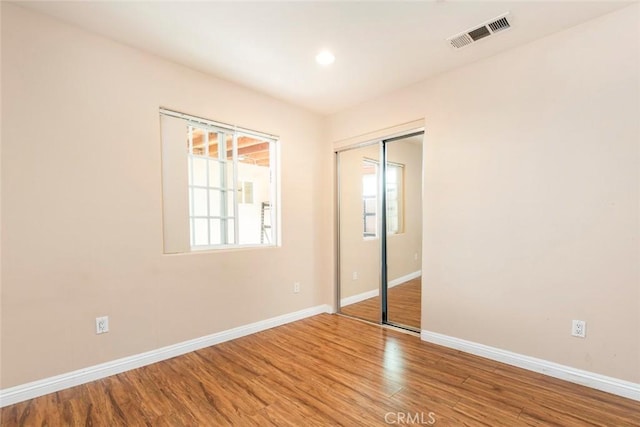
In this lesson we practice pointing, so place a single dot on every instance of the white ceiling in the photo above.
(270, 46)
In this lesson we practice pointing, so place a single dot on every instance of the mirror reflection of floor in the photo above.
(403, 305)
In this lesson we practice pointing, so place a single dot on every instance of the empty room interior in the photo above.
(320, 213)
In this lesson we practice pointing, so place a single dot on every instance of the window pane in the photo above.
(214, 203)
(230, 232)
(369, 196)
(253, 151)
(214, 173)
(199, 171)
(370, 224)
(198, 142)
(230, 210)
(392, 192)
(392, 225)
(369, 185)
(254, 193)
(199, 202)
(229, 141)
(392, 216)
(369, 167)
(201, 232)
(230, 168)
(395, 185)
(392, 174)
(213, 145)
(392, 208)
(214, 232)
(370, 205)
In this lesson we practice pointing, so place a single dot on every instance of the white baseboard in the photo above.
(589, 379)
(374, 293)
(405, 278)
(38, 388)
(359, 297)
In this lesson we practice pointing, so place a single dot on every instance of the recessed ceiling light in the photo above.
(325, 58)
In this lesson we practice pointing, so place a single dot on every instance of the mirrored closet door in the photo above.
(404, 230)
(359, 246)
(380, 188)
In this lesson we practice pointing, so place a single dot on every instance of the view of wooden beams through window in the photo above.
(250, 150)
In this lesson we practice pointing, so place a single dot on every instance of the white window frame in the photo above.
(226, 188)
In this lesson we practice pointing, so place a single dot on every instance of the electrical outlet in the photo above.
(579, 328)
(415, 256)
(296, 287)
(102, 324)
(354, 276)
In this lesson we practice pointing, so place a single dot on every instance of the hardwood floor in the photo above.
(326, 370)
(403, 305)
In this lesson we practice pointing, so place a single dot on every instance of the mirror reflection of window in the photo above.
(395, 183)
(370, 198)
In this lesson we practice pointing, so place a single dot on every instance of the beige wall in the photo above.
(531, 209)
(82, 208)
(175, 183)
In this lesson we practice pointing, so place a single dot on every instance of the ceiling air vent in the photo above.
(481, 31)
(500, 24)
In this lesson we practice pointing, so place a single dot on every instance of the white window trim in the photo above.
(274, 182)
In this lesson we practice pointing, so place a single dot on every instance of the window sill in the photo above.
(229, 248)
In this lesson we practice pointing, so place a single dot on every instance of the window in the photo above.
(395, 186)
(370, 198)
(230, 183)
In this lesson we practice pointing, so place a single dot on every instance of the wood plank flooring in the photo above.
(403, 305)
(322, 371)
